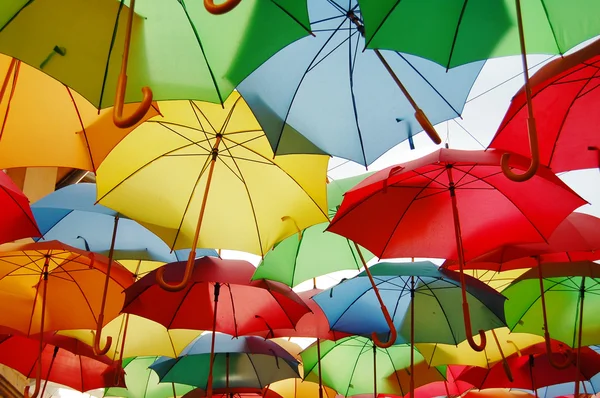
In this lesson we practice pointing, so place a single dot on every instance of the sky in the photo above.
(488, 101)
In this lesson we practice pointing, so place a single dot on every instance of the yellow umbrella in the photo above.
(296, 388)
(205, 176)
(45, 123)
(462, 354)
(139, 268)
(496, 280)
(137, 336)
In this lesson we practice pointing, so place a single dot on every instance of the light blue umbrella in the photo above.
(70, 216)
(341, 98)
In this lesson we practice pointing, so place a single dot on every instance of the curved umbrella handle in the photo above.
(535, 157)
(556, 365)
(467, 318)
(38, 383)
(128, 121)
(222, 8)
(393, 332)
(97, 337)
(189, 267)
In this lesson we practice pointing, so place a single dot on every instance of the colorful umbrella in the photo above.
(496, 280)
(449, 387)
(17, 220)
(245, 307)
(244, 362)
(55, 36)
(355, 365)
(211, 170)
(56, 125)
(297, 388)
(565, 98)
(314, 252)
(62, 360)
(143, 382)
(452, 204)
(348, 102)
(575, 239)
(459, 33)
(235, 393)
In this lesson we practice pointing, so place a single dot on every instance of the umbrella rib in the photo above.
(35, 301)
(190, 141)
(196, 109)
(85, 297)
(199, 42)
(442, 309)
(235, 327)
(110, 49)
(55, 224)
(260, 384)
(362, 350)
(530, 306)
(351, 63)
(566, 115)
(551, 27)
(383, 20)
(458, 24)
(337, 46)
(30, 219)
(87, 142)
(180, 304)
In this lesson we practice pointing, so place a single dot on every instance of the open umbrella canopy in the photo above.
(72, 216)
(244, 362)
(351, 307)
(565, 96)
(81, 44)
(459, 32)
(16, 217)
(566, 286)
(143, 382)
(297, 388)
(244, 307)
(449, 387)
(45, 123)
(210, 166)
(341, 98)
(73, 282)
(354, 365)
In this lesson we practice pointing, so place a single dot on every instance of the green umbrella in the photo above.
(565, 287)
(142, 382)
(355, 365)
(177, 48)
(314, 251)
(456, 32)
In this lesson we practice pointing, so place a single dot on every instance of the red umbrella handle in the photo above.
(222, 8)
(118, 119)
(467, 318)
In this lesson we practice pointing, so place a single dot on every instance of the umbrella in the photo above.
(244, 307)
(449, 387)
(137, 336)
(565, 286)
(235, 393)
(69, 215)
(56, 125)
(565, 98)
(496, 280)
(575, 239)
(62, 360)
(55, 36)
(143, 382)
(17, 220)
(351, 103)
(459, 32)
(452, 204)
(314, 252)
(211, 170)
(355, 365)
(532, 370)
(297, 388)
(244, 362)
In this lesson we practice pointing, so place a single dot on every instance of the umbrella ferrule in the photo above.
(217, 291)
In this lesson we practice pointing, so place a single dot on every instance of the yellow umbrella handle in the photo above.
(118, 119)
(504, 361)
(222, 8)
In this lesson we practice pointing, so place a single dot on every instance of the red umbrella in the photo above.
(450, 387)
(234, 393)
(244, 307)
(575, 239)
(16, 218)
(566, 109)
(64, 360)
(532, 369)
(452, 204)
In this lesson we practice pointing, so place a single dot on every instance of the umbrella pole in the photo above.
(174, 392)
(160, 279)
(212, 343)
(118, 119)
(531, 125)
(374, 371)
(384, 310)
(11, 67)
(556, 365)
(319, 367)
(49, 370)
(504, 361)
(419, 114)
(461, 263)
(100, 324)
(121, 353)
(412, 337)
(580, 333)
(38, 376)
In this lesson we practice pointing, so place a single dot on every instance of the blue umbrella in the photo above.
(341, 98)
(243, 362)
(71, 216)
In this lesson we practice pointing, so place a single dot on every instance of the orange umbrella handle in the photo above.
(118, 119)
(189, 267)
(393, 334)
(38, 383)
(97, 338)
(222, 8)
